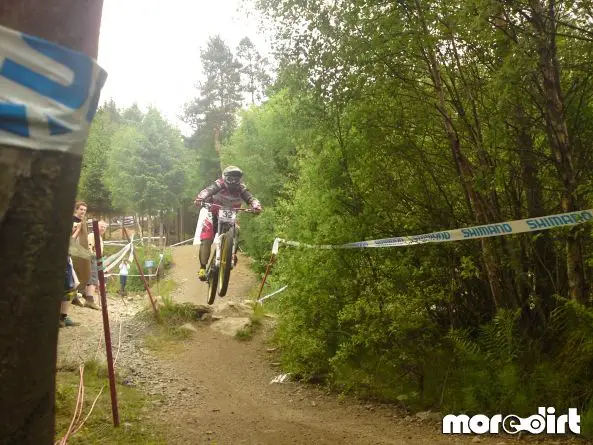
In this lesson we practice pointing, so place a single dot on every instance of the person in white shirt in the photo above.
(124, 268)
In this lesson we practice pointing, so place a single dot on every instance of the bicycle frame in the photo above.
(222, 229)
(218, 274)
(224, 226)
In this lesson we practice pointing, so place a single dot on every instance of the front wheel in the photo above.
(226, 261)
(212, 281)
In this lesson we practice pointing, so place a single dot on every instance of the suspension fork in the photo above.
(216, 244)
(235, 245)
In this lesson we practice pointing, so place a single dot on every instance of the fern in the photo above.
(572, 324)
(500, 339)
(462, 343)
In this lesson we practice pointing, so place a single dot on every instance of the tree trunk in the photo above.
(149, 230)
(160, 229)
(34, 236)
(217, 145)
(181, 216)
(465, 171)
(543, 257)
(485, 202)
(140, 231)
(544, 22)
(178, 225)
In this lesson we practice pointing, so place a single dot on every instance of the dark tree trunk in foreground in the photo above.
(37, 191)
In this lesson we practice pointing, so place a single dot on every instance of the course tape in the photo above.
(114, 259)
(476, 232)
(131, 256)
(181, 242)
(129, 275)
(282, 289)
(48, 93)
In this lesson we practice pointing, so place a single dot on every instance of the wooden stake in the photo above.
(106, 330)
(266, 275)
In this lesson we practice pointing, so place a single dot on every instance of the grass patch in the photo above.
(244, 334)
(172, 316)
(177, 313)
(169, 330)
(258, 315)
(164, 291)
(255, 321)
(163, 287)
(136, 426)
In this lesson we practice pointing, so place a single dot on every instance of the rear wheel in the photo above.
(226, 261)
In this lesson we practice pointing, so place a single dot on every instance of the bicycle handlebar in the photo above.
(208, 205)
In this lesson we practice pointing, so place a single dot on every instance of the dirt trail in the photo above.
(185, 272)
(237, 404)
(215, 389)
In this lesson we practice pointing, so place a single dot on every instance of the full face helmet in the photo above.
(232, 177)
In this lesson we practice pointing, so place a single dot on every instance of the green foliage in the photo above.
(263, 148)
(255, 78)
(134, 410)
(133, 162)
(145, 171)
(213, 114)
(127, 141)
(203, 164)
(92, 186)
(220, 94)
(587, 422)
(406, 118)
(499, 371)
(177, 313)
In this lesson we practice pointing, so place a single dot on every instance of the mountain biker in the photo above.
(227, 191)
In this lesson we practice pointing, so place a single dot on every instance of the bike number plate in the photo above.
(226, 215)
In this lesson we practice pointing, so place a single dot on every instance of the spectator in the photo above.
(69, 291)
(94, 279)
(80, 209)
(124, 268)
(81, 266)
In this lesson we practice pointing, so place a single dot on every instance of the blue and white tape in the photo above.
(48, 93)
(498, 229)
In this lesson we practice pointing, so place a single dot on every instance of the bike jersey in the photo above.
(218, 193)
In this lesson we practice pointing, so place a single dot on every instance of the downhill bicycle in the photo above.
(223, 256)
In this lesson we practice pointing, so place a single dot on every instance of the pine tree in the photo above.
(255, 78)
(220, 96)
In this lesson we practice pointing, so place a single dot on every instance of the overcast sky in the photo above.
(151, 49)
